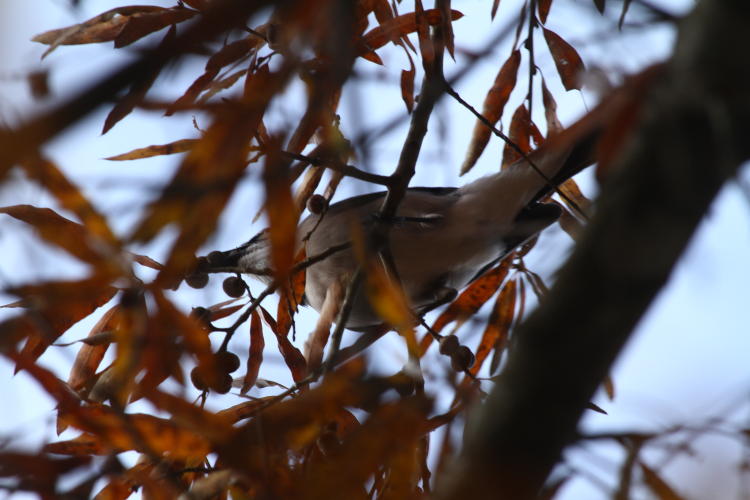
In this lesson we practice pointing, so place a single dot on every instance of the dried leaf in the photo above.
(522, 129)
(625, 7)
(180, 146)
(426, 47)
(492, 109)
(293, 358)
(255, 357)
(543, 7)
(469, 301)
(609, 387)
(90, 355)
(495, 5)
(600, 5)
(495, 335)
(56, 306)
(550, 111)
(140, 25)
(393, 30)
(567, 61)
(282, 222)
(407, 85)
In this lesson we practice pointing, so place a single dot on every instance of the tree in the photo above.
(308, 440)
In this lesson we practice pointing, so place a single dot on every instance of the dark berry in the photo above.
(449, 344)
(234, 286)
(227, 361)
(197, 379)
(462, 359)
(197, 280)
(223, 385)
(317, 204)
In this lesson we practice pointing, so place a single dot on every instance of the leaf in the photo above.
(245, 409)
(550, 111)
(138, 89)
(492, 109)
(447, 26)
(469, 301)
(293, 358)
(609, 387)
(144, 24)
(90, 355)
(393, 30)
(291, 298)
(282, 222)
(600, 5)
(543, 7)
(657, 485)
(53, 228)
(520, 132)
(255, 357)
(56, 306)
(426, 47)
(180, 146)
(495, 5)
(495, 335)
(567, 61)
(407, 85)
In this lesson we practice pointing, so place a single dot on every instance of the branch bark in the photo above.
(692, 138)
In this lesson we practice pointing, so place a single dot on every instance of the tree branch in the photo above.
(691, 139)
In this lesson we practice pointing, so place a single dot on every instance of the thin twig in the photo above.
(348, 170)
(343, 317)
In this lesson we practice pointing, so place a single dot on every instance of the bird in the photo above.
(440, 239)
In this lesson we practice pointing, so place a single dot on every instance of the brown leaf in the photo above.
(146, 261)
(520, 132)
(293, 358)
(543, 6)
(140, 25)
(245, 409)
(447, 26)
(255, 356)
(138, 89)
(56, 306)
(625, 7)
(393, 30)
(492, 109)
(193, 91)
(180, 146)
(567, 61)
(657, 485)
(469, 301)
(233, 52)
(495, 335)
(89, 356)
(426, 47)
(550, 111)
(495, 5)
(291, 298)
(58, 230)
(600, 5)
(407, 86)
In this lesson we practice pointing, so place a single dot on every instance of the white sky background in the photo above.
(688, 359)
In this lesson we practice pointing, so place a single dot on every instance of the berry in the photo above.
(317, 204)
(234, 286)
(462, 359)
(449, 344)
(197, 379)
(197, 279)
(227, 361)
(223, 384)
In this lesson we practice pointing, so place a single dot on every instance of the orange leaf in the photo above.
(426, 47)
(290, 299)
(56, 306)
(568, 62)
(492, 109)
(495, 335)
(469, 301)
(255, 357)
(293, 358)
(56, 229)
(233, 52)
(282, 218)
(180, 146)
(407, 85)
(89, 356)
(522, 129)
(393, 30)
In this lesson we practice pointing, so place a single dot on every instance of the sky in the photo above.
(686, 362)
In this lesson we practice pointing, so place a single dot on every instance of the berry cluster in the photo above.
(220, 381)
(461, 356)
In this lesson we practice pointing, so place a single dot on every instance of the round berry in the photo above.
(317, 204)
(227, 361)
(197, 279)
(462, 359)
(197, 379)
(215, 258)
(234, 286)
(223, 385)
(449, 344)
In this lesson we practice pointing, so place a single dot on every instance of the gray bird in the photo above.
(440, 240)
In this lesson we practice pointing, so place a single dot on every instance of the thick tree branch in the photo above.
(691, 139)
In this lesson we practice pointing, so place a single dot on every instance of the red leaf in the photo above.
(568, 62)
(407, 86)
(141, 25)
(543, 7)
(522, 129)
(496, 333)
(393, 30)
(89, 356)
